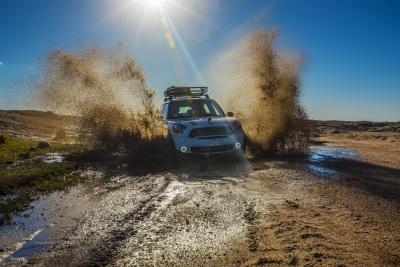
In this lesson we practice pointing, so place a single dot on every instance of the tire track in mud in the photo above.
(80, 251)
(98, 256)
(127, 227)
(274, 216)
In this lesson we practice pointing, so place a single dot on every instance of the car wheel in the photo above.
(244, 147)
(172, 152)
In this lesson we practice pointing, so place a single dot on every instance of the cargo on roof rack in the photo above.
(185, 91)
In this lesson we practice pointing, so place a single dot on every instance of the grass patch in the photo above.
(25, 181)
(21, 185)
(12, 150)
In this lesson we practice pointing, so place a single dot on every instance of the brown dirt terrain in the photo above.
(32, 124)
(338, 207)
(382, 148)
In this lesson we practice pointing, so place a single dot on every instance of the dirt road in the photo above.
(328, 210)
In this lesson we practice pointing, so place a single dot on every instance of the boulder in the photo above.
(42, 145)
(32, 149)
(24, 156)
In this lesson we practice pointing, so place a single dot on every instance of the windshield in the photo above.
(194, 108)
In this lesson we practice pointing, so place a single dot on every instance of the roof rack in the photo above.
(185, 91)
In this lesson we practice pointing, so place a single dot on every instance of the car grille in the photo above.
(216, 130)
(210, 149)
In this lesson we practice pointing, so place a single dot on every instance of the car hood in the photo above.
(204, 121)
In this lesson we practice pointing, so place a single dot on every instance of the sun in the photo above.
(155, 4)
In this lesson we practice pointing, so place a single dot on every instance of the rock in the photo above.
(24, 156)
(292, 204)
(318, 255)
(32, 149)
(265, 261)
(311, 235)
(42, 145)
(294, 260)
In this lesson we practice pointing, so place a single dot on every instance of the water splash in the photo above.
(107, 92)
(261, 84)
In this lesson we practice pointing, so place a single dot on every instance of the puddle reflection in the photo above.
(320, 154)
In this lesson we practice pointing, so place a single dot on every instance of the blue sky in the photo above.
(352, 71)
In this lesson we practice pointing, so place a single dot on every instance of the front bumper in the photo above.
(209, 145)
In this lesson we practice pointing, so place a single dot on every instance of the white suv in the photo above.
(197, 125)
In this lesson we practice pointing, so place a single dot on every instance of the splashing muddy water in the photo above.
(106, 90)
(77, 82)
(261, 84)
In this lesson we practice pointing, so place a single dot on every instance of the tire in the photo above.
(172, 152)
(244, 147)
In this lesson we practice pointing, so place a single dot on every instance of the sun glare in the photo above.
(162, 8)
(155, 4)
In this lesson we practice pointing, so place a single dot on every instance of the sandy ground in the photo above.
(382, 148)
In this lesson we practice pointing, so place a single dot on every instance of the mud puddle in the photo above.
(39, 228)
(320, 155)
(53, 158)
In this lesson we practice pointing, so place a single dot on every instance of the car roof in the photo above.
(186, 98)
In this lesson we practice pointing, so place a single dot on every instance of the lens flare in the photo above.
(161, 8)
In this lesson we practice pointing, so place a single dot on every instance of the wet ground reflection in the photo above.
(319, 155)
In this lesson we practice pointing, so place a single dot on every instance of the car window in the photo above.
(185, 110)
(165, 111)
(194, 108)
(217, 109)
(206, 109)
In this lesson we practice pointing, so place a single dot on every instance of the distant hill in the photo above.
(345, 126)
(33, 124)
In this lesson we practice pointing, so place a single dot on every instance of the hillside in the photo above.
(33, 124)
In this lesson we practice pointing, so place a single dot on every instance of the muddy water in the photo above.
(53, 158)
(40, 227)
(192, 194)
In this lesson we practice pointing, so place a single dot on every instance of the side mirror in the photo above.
(229, 114)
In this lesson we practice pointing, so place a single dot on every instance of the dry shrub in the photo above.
(261, 85)
(106, 90)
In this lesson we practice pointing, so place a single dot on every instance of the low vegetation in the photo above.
(12, 150)
(24, 176)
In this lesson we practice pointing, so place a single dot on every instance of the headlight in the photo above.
(178, 128)
(236, 126)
